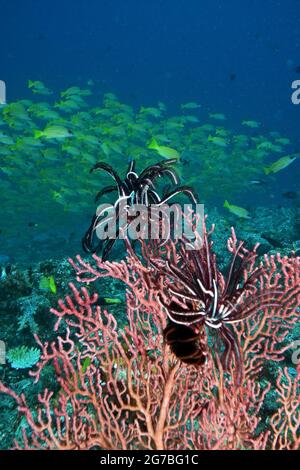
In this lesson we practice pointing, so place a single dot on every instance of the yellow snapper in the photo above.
(71, 150)
(283, 141)
(265, 145)
(86, 363)
(218, 116)
(155, 112)
(75, 90)
(48, 283)
(53, 132)
(207, 128)
(87, 138)
(251, 124)
(67, 105)
(190, 118)
(47, 114)
(280, 164)
(236, 210)
(39, 88)
(221, 132)
(28, 142)
(166, 152)
(109, 300)
(191, 105)
(217, 140)
(6, 139)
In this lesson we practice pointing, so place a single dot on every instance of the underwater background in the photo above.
(237, 60)
(112, 81)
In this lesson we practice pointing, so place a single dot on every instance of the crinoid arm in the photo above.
(187, 190)
(106, 190)
(109, 169)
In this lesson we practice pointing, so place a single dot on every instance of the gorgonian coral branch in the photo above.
(122, 387)
(285, 423)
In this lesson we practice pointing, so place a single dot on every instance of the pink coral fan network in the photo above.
(201, 385)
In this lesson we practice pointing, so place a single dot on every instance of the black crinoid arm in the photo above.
(133, 189)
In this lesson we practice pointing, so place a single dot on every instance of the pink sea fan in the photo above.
(122, 387)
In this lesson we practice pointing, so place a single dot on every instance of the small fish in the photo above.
(75, 90)
(297, 69)
(257, 182)
(266, 145)
(218, 116)
(275, 243)
(86, 363)
(191, 105)
(48, 283)
(166, 152)
(274, 134)
(280, 164)
(39, 88)
(191, 119)
(232, 76)
(236, 210)
(221, 132)
(162, 106)
(24, 142)
(207, 128)
(109, 300)
(53, 132)
(87, 138)
(47, 114)
(217, 140)
(71, 150)
(277, 148)
(32, 224)
(283, 141)
(291, 194)
(155, 112)
(251, 124)
(6, 139)
(68, 105)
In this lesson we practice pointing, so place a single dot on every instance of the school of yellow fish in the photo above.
(49, 143)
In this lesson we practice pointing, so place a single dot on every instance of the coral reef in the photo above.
(23, 357)
(123, 388)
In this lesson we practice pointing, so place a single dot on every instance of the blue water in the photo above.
(170, 50)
